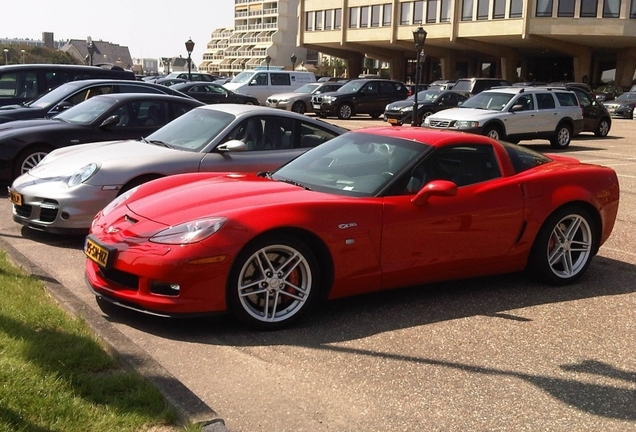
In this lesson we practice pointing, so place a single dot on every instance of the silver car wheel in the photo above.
(275, 283)
(31, 160)
(569, 247)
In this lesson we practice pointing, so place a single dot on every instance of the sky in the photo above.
(148, 28)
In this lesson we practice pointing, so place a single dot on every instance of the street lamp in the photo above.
(166, 64)
(268, 60)
(419, 37)
(91, 49)
(6, 56)
(23, 51)
(189, 48)
(293, 59)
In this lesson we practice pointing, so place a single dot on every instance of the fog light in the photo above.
(165, 288)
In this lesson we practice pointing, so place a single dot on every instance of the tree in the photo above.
(36, 55)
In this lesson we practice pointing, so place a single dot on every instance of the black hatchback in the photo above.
(72, 93)
(596, 117)
(428, 102)
(360, 96)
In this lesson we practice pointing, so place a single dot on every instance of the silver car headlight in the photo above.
(329, 99)
(189, 232)
(82, 174)
(283, 100)
(466, 124)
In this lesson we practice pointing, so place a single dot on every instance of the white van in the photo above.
(264, 83)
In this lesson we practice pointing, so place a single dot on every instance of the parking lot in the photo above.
(500, 353)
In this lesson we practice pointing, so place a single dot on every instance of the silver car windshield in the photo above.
(87, 111)
(488, 101)
(193, 130)
(353, 164)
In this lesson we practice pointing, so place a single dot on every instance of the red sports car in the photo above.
(370, 210)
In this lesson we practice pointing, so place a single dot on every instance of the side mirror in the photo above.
(442, 188)
(110, 121)
(62, 106)
(253, 82)
(232, 146)
(516, 108)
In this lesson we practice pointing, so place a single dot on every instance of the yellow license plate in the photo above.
(15, 198)
(392, 121)
(98, 253)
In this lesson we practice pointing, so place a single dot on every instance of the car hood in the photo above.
(406, 103)
(288, 95)
(21, 124)
(66, 161)
(184, 197)
(465, 114)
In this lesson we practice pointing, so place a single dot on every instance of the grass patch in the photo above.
(55, 375)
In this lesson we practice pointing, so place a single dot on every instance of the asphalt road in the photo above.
(500, 353)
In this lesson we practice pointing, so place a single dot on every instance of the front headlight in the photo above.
(329, 99)
(189, 232)
(407, 109)
(283, 100)
(427, 121)
(82, 174)
(466, 124)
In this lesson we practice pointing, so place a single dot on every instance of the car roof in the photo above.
(148, 96)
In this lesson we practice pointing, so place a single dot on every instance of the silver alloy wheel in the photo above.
(345, 111)
(570, 246)
(274, 283)
(603, 128)
(563, 137)
(32, 160)
(493, 133)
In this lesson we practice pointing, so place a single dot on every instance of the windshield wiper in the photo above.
(295, 183)
(158, 142)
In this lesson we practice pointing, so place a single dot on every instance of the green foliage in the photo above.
(33, 55)
(54, 374)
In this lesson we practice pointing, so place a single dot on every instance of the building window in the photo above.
(445, 16)
(387, 14)
(589, 8)
(467, 10)
(337, 22)
(329, 20)
(318, 20)
(611, 8)
(431, 11)
(364, 16)
(516, 8)
(544, 8)
(483, 8)
(499, 9)
(375, 15)
(566, 8)
(309, 21)
(632, 13)
(353, 17)
(418, 12)
(405, 13)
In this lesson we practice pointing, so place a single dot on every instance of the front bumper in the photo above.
(51, 206)
(398, 117)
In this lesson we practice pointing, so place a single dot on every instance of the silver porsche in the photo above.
(70, 185)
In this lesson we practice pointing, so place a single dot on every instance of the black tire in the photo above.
(29, 158)
(562, 137)
(299, 107)
(321, 115)
(564, 247)
(284, 293)
(602, 128)
(136, 182)
(494, 132)
(345, 111)
(375, 115)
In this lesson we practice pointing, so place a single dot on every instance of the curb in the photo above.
(189, 407)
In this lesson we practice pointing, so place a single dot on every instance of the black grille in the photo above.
(48, 215)
(23, 210)
(125, 279)
(439, 123)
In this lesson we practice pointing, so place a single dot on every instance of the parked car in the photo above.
(72, 93)
(211, 93)
(24, 82)
(442, 85)
(596, 117)
(372, 209)
(359, 96)
(622, 106)
(193, 76)
(70, 185)
(300, 99)
(477, 85)
(428, 102)
(516, 113)
(24, 143)
(263, 83)
(169, 81)
(608, 92)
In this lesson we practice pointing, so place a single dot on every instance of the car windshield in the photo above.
(625, 97)
(54, 96)
(243, 77)
(493, 101)
(354, 164)
(87, 111)
(351, 87)
(425, 96)
(307, 88)
(193, 130)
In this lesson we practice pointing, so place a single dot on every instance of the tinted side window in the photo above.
(388, 87)
(127, 88)
(312, 135)
(179, 109)
(567, 99)
(545, 101)
(584, 99)
(280, 79)
(260, 78)
(54, 79)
